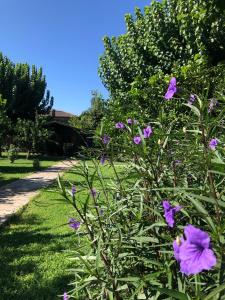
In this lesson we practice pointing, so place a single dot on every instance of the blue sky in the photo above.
(65, 38)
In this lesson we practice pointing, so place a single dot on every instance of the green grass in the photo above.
(34, 264)
(21, 167)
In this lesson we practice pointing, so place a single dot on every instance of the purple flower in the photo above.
(213, 143)
(130, 121)
(147, 132)
(74, 223)
(172, 89)
(101, 211)
(137, 139)
(177, 162)
(93, 192)
(105, 139)
(73, 190)
(65, 296)
(194, 253)
(119, 125)
(169, 212)
(192, 99)
(102, 160)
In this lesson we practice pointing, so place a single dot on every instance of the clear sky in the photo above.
(65, 38)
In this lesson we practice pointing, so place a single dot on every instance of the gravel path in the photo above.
(15, 195)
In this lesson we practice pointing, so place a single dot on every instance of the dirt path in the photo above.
(15, 195)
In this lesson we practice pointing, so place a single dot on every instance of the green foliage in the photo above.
(183, 38)
(31, 135)
(5, 124)
(90, 119)
(130, 252)
(169, 33)
(24, 89)
(36, 164)
(12, 153)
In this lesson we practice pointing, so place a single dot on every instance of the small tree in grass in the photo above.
(31, 135)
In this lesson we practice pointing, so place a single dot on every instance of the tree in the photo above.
(5, 124)
(24, 89)
(184, 38)
(90, 119)
(31, 135)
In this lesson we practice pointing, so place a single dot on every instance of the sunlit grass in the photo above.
(21, 167)
(35, 247)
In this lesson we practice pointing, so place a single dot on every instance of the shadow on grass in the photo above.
(32, 261)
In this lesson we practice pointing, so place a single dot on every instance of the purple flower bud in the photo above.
(102, 160)
(130, 121)
(74, 224)
(73, 190)
(119, 125)
(105, 139)
(213, 143)
(65, 296)
(93, 192)
(177, 162)
(147, 132)
(172, 89)
(137, 139)
(192, 99)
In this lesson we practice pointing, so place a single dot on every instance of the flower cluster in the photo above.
(131, 121)
(147, 132)
(193, 253)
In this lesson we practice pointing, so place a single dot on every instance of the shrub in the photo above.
(154, 229)
(12, 153)
(36, 164)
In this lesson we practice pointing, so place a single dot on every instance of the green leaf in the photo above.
(215, 292)
(145, 239)
(194, 109)
(203, 211)
(172, 293)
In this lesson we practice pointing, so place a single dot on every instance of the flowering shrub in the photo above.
(156, 229)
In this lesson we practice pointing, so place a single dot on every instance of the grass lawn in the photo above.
(21, 167)
(34, 264)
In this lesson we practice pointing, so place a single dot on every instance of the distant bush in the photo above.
(36, 164)
(12, 153)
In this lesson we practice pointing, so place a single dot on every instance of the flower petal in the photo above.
(197, 236)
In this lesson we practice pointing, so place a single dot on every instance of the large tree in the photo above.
(181, 38)
(24, 88)
(168, 33)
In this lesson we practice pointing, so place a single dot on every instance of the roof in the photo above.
(60, 114)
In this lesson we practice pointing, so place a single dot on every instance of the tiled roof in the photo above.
(60, 114)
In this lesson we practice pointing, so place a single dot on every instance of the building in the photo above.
(65, 139)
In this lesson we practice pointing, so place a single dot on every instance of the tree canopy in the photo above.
(24, 88)
(167, 34)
